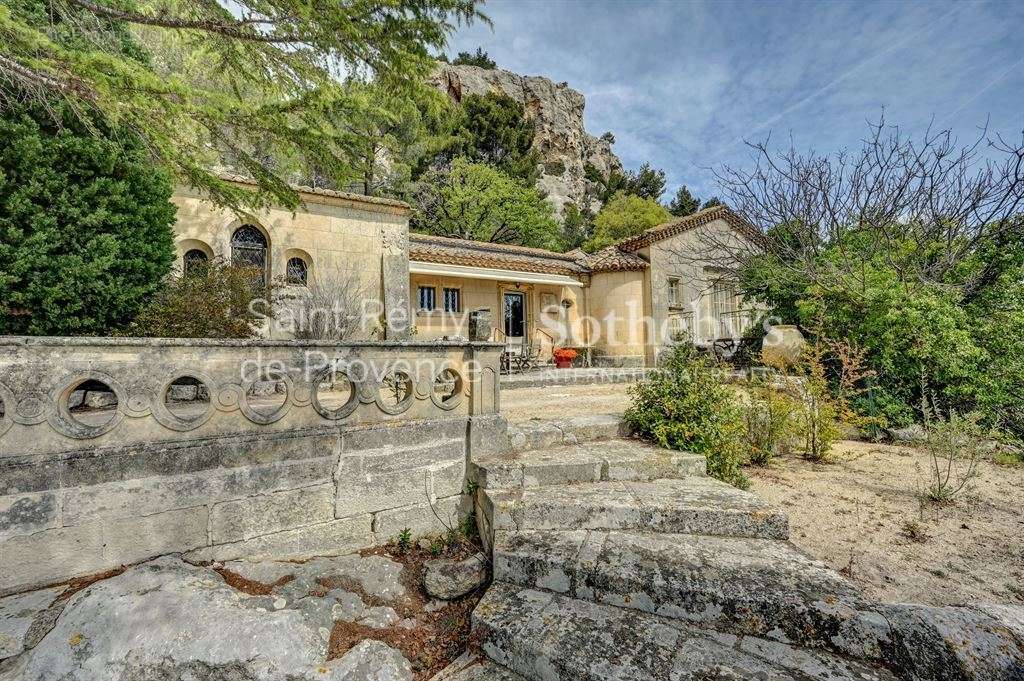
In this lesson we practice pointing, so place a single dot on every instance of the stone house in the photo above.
(620, 306)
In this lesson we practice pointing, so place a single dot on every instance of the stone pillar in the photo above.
(395, 284)
(480, 325)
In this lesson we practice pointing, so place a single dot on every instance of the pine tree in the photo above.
(684, 203)
(251, 83)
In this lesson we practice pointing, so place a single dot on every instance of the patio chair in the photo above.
(511, 358)
(530, 358)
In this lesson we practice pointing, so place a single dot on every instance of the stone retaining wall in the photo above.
(85, 491)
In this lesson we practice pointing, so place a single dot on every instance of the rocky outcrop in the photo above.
(166, 620)
(564, 145)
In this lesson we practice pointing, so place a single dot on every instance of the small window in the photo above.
(673, 291)
(427, 299)
(297, 271)
(249, 250)
(194, 259)
(451, 300)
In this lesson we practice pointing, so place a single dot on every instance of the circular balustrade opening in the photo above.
(447, 386)
(92, 403)
(395, 391)
(268, 395)
(335, 391)
(187, 398)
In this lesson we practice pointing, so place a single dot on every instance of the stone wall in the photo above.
(357, 248)
(272, 461)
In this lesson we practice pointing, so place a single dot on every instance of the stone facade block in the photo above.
(243, 519)
(488, 435)
(371, 492)
(130, 540)
(332, 538)
(421, 519)
(50, 556)
(154, 494)
(22, 514)
(428, 454)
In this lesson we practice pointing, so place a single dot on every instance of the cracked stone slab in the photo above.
(949, 642)
(608, 460)
(205, 629)
(376, 576)
(547, 636)
(470, 667)
(763, 587)
(695, 505)
(17, 615)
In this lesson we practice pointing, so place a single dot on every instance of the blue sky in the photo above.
(683, 84)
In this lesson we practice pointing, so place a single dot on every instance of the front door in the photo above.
(515, 317)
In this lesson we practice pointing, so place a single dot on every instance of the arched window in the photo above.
(249, 249)
(194, 258)
(297, 271)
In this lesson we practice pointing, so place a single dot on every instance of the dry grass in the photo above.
(438, 637)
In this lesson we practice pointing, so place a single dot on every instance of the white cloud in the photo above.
(683, 84)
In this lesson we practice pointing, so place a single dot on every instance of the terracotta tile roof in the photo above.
(613, 259)
(328, 193)
(680, 225)
(449, 251)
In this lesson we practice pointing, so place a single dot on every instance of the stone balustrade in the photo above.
(116, 450)
(248, 386)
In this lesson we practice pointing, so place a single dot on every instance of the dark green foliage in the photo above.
(683, 203)
(478, 58)
(710, 203)
(554, 168)
(213, 300)
(608, 137)
(476, 201)
(85, 227)
(492, 129)
(685, 406)
(577, 226)
(199, 83)
(965, 347)
(647, 183)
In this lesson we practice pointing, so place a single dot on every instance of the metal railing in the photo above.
(734, 324)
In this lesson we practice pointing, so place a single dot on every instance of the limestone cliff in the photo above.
(565, 146)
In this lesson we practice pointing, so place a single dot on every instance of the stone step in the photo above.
(543, 635)
(592, 462)
(524, 436)
(695, 505)
(762, 587)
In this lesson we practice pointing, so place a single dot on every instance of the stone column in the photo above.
(480, 325)
(395, 284)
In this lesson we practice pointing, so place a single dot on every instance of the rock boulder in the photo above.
(448, 579)
(564, 145)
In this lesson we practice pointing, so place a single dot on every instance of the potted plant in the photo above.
(564, 357)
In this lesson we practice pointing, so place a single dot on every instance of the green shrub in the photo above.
(684, 405)
(818, 416)
(953, 447)
(770, 417)
(213, 300)
(85, 226)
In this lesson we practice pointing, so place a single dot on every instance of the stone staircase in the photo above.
(614, 559)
